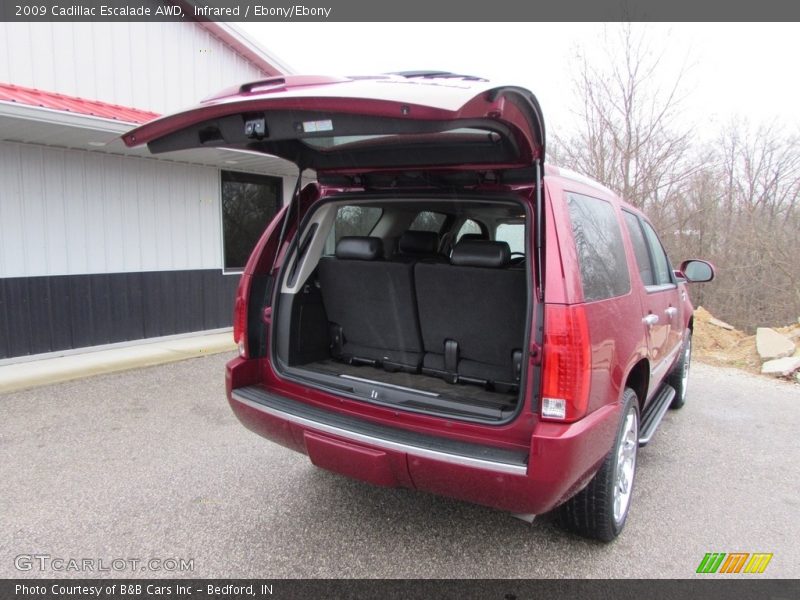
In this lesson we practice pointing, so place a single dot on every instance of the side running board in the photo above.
(654, 413)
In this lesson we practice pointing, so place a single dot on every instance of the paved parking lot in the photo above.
(151, 463)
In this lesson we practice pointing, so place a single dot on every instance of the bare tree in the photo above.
(630, 136)
(757, 225)
(735, 200)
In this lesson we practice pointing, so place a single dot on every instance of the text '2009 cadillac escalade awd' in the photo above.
(440, 309)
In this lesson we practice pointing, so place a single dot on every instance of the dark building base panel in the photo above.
(46, 314)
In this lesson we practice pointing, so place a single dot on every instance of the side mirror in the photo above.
(697, 271)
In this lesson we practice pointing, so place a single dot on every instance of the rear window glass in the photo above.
(513, 234)
(352, 220)
(601, 255)
(428, 221)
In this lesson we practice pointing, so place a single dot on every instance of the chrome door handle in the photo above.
(671, 312)
(650, 320)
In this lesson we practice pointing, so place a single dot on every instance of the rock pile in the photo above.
(771, 351)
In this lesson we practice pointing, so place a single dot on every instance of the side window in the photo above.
(468, 227)
(428, 221)
(663, 272)
(249, 202)
(352, 220)
(513, 234)
(639, 248)
(601, 255)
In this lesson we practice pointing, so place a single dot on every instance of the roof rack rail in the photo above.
(436, 75)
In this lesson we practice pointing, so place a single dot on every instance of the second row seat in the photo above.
(463, 320)
(371, 305)
(472, 314)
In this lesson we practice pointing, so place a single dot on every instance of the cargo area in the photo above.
(416, 303)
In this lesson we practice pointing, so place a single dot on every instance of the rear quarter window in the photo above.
(640, 250)
(663, 271)
(598, 241)
(352, 220)
(428, 221)
(469, 227)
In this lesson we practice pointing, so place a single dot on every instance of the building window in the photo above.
(249, 203)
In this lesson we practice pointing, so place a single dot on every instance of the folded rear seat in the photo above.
(472, 315)
(370, 305)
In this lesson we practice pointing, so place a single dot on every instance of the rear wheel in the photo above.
(679, 377)
(600, 510)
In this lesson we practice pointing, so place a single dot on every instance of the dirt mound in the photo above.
(718, 345)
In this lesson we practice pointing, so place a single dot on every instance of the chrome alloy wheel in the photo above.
(626, 464)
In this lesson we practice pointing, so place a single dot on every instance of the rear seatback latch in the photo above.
(337, 341)
(451, 360)
(516, 358)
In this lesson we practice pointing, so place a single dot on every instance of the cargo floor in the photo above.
(469, 393)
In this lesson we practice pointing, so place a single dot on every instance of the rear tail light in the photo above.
(240, 326)
(240, 316)
(566, 363)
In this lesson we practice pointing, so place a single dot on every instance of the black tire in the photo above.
(591, 512)
(679, 376)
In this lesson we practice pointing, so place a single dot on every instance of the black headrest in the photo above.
(359, 248)
(418, 242)
(473, 237)
(471, 253)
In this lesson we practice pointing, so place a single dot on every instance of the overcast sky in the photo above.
(746, 69)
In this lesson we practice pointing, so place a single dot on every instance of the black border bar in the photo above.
(741, 588)
(403, 11)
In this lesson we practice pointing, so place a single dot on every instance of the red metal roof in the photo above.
(73, 104)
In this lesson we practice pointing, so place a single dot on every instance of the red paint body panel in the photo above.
(381, 96)
(273, 428)
(378, 467)
(561, 457)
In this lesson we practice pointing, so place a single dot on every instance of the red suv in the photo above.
(441, 310)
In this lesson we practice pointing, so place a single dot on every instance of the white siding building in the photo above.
(103, 244)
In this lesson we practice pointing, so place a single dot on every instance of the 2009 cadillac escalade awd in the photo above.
(440, 309)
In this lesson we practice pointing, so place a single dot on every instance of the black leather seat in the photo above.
(472, 315)
(370, 305)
